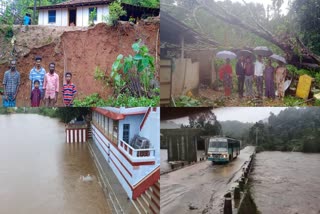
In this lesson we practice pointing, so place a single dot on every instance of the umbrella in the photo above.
(278, 58)
(263, 51)
(226, 55)
(246, 53)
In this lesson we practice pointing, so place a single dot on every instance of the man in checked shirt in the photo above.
(51, 86)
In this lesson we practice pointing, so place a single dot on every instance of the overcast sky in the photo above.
(284, 8)
(242, 114)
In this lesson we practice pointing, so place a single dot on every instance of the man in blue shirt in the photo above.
(26, 21)
(37, 73)
(11, 83)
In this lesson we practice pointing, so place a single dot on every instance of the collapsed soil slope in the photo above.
(80, 51)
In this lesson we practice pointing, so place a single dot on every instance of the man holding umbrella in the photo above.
(240, 73)
(258, 74)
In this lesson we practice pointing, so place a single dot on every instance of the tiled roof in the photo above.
(74, 3)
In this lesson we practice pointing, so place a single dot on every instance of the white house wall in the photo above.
(113, 162)
(83, 14)
(151, 131)
(134, 122)
(117, 158)
(61, 17)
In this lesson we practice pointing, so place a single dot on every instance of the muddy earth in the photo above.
(79, 50)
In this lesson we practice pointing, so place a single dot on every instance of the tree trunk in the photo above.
(284, 43)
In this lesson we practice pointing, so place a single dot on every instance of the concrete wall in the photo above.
(151, 131)
(206, 68)
(128, 169)
(134, 122)
(83, 14)
(62, 16)
(185, 76)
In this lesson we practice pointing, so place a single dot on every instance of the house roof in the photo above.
(175, 113)
(171, 29)
(76, 3)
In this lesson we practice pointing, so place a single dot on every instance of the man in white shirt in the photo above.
(258, 74)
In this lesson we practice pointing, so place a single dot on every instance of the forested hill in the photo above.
(294, 129)
(235, 129)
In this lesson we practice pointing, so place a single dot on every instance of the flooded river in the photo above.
(287, 183)
(200, 188)
(40, 173)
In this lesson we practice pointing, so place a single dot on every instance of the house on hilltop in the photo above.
(77, 12)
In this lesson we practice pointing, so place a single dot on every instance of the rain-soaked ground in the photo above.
(200, 188)
(165, 166)
(40, 173)
(287, 183)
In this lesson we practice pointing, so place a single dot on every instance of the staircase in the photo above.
(149, 201)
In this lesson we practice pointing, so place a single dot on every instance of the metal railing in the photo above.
(137, 152)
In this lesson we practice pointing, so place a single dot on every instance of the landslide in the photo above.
(76, 49)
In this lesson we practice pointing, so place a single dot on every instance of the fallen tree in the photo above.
(289, 42)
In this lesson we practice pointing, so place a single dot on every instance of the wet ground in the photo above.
(287, 183)
(200, 188)
(217, 98)
(40, 173)
(165, 166)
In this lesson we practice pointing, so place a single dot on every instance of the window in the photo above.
(52, 16)
(93, 10)
(126, 131)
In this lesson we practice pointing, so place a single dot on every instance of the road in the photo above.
(200, 188)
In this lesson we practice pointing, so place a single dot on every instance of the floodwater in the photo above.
(165, 167)
(200, 188)
(287, 183)
(40, 173)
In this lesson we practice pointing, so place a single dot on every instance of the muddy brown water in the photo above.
(287, 183)
(40, 173)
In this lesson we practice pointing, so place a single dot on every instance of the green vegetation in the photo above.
(206, 121)
(115, 12)
(92, 16)
(121, 101)
(133, 81)
(64, 114)
(292, 130)
(144, 3)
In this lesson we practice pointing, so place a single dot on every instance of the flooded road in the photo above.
(40, 173)
(165, 166)
(287, 183)
(200, 187)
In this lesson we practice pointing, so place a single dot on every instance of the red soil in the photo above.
(84, 51)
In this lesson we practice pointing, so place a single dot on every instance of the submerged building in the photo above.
(129, 140)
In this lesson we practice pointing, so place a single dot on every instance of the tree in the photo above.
(207, 121)
(67, 114)
(306, 15)
(278, 31)
(115, 12)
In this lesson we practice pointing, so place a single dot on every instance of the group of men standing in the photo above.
(44, 86)
(258, 72)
